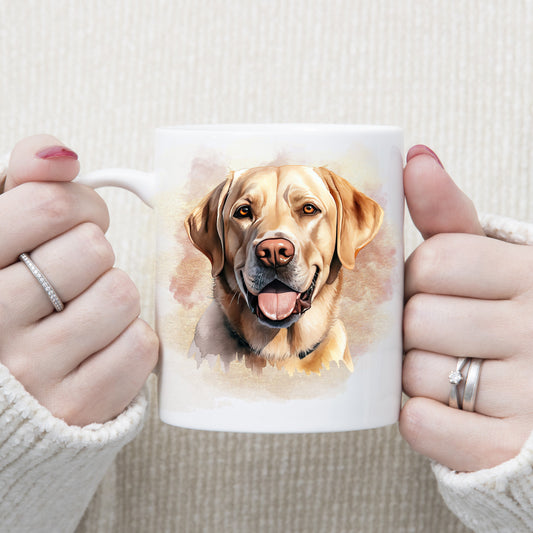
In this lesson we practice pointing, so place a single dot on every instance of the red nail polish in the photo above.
(423, 149)
(57, 152)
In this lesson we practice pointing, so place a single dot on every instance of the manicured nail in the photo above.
(423, 149)
(57, 152)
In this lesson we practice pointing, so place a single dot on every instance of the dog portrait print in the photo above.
(278, 239)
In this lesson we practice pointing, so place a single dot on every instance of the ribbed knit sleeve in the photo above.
(498, 499)
(48, 469)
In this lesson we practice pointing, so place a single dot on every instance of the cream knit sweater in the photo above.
(101, 75)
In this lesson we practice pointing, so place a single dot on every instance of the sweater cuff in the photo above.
(494, 500)
(48, 469)
(507, 229)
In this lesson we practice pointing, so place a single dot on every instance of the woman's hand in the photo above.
(467, 296)
(87, 362)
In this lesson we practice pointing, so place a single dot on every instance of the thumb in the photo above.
(435, 203)
(41, 158)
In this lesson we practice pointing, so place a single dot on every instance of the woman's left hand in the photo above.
(467, 296)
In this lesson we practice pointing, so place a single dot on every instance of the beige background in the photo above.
(101, 74)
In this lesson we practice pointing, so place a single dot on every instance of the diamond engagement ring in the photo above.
(45, 284)
(455, 377)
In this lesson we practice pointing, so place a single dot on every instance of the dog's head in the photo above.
(279, 234)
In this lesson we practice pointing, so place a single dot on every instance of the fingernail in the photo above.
(57, 152)
(423, 149)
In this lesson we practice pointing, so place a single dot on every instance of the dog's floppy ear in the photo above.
(205, 225)
(358, 217)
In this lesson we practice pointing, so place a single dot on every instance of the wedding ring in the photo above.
(45, 284)
(471, 385)
(455, 377)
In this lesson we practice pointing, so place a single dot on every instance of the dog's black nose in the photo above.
(275, 253)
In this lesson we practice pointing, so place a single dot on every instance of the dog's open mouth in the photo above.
(278, 305)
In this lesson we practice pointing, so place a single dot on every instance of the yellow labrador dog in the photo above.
(277, 238)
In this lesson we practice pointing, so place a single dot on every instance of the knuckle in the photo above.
(411, 374)
(146, 345)
(95, 240)
(413, 317)
(69, 411)
(517, 433)
(526, 260)
(74, 409)
(21, 369)
(54, 201)
(122, 291)
(424, 262)
(62, 205)
(100, 211)
(411, 423)
(75, 401)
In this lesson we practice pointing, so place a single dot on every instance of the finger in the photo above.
(105, 383)
(435, 202)
(470, 266)
(461, 440)
(463, 327)
(41, 158)
(89, 323)
(33, 213)
(500, 390)
(71, 263)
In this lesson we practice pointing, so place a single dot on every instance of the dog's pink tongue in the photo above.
(277, 301)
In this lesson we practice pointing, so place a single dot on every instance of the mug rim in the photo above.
(288, 127)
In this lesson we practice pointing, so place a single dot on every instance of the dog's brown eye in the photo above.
(243, 212)
(310, 209)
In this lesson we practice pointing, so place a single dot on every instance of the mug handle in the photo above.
(142, 184)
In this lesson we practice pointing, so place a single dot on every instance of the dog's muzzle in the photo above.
(277, 305)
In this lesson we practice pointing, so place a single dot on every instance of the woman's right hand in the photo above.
(89, 361)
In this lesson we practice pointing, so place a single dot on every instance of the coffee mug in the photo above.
(279, 274)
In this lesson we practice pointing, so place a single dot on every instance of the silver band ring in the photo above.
(455, 377)
(471, 385)
(45, 284)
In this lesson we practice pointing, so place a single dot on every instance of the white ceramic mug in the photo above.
(268, 321)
